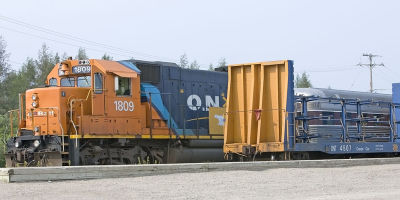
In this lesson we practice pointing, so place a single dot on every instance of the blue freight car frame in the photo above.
(346, 145)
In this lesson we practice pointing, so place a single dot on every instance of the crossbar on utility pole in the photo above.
(371, 65)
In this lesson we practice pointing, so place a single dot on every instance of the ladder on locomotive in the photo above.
(65, 159)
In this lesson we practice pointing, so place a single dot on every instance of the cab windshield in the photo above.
(67, 82)
(84, 81)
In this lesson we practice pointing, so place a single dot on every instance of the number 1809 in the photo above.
(124, 105)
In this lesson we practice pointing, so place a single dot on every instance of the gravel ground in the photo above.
(364, 182)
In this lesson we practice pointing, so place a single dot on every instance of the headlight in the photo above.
(34, 104)
(36, 143)
(17, 144)
(34, 97)
(37, 129)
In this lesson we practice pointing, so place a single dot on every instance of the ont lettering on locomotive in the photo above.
(195, 103)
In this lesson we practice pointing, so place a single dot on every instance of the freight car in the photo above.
(126, 112)
(266, 116)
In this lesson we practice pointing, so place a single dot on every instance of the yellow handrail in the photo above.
(11, 120)
(71, 115)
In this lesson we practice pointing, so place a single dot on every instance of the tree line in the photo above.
(184, 63)
(301, 81)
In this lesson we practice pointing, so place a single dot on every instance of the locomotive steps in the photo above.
(121, 171)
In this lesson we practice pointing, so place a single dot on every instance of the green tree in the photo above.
(4, 120)
(57, 58)
(221, 62)
(81, 54)
(4, 123)
(28, 75)
(183, 61)
(302, 81)
(44, 64)
(194, 65)
(211, 67)
(4, 71)
(32, 74)
(106, 57)
(64, 56)
(19, 82)
(4, 65)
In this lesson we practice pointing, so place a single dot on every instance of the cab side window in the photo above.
(98, 83)
(122, 86)
(53, 82)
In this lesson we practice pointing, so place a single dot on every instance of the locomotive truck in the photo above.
(131, 112)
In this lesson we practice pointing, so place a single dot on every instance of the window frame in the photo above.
(97, 90)
(119, 86)
(68, 81)
(87, 86)
(51, 79)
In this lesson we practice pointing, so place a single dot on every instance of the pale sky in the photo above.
(325, 39)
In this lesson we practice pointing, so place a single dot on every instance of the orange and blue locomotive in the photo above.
(125, 112)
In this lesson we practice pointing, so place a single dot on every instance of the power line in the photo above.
(327, 69)
(74, 45)
(63, 35)
(77, 39)
(330, 70)
(371, 65)
(57, 41)
(393, 73)
(355, 80)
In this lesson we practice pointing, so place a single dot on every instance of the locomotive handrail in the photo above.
(72, 97)
(87, 96)
(21, 106)
(73, 124)
(71, 114)
(11, 120)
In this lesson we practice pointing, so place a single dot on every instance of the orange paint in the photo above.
(98, 108)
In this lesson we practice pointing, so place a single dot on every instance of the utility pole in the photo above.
(371, 65)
